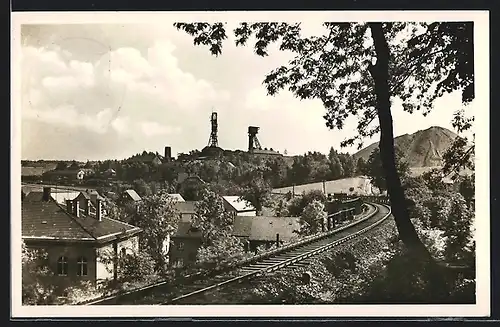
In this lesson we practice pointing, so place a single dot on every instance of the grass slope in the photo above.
(361, 184)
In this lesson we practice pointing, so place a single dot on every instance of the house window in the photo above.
(62, 266)
(123, 252)
(180, 246)
(82, 266)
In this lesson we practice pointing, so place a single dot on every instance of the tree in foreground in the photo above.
(256, 189)
(355, 69)
(313, 218)
(35, 271)
(158, 218)
(374, 169)
(218, 245)
(298, 204)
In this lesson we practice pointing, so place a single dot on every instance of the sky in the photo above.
(96, 92)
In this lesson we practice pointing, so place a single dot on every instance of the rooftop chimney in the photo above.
(69, 205)
(76, 208)
(98, 213)
(46, 194)
(168, 153)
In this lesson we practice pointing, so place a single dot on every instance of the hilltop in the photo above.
(424, 148)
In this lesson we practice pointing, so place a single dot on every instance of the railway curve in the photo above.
(290, 256)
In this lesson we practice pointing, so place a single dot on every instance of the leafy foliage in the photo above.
(457, 229)
(442, 214)
(158, 218)
(426, 61)
(281, 208)
(467, 188)
(375, 170)
(257, 190)
(434, 179)
(313, 218)
(211, 217)
(459, 155)
(215, 223)
(223, 250)
(415, 62)
(133, 266)
(36, 287)
(298, 204)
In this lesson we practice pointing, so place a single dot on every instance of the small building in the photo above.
(109, 173)
(130, 196)
(75, 238)
(238, 206)
(186, 242)
(267, 231)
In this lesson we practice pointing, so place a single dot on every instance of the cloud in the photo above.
(115, 90)
(153, 129)
(124, 93)
(68, 116)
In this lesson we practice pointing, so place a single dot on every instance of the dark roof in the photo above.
(33, 196)
(262, 228)
(254, 228)
(46, 220)
(185, 230)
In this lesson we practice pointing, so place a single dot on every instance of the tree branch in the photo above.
(415, 66)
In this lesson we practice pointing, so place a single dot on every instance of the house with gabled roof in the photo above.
(75, 237)
(263, 230)
(254, 231)
(186, 242)
(238, 206)
(130, 196)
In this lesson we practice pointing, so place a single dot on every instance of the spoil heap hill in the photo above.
(424, 148)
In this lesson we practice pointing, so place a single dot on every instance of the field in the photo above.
(362, 186)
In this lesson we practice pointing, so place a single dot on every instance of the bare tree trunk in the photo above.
(406, 230)
(380, 74)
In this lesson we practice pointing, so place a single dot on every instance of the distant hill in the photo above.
(423, 148)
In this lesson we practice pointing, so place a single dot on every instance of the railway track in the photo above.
(294, 257)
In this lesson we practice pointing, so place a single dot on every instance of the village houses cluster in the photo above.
(74, 228)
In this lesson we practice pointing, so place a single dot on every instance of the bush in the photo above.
(135, 267)
(36, 286)
(298, 204)
(313, 218)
